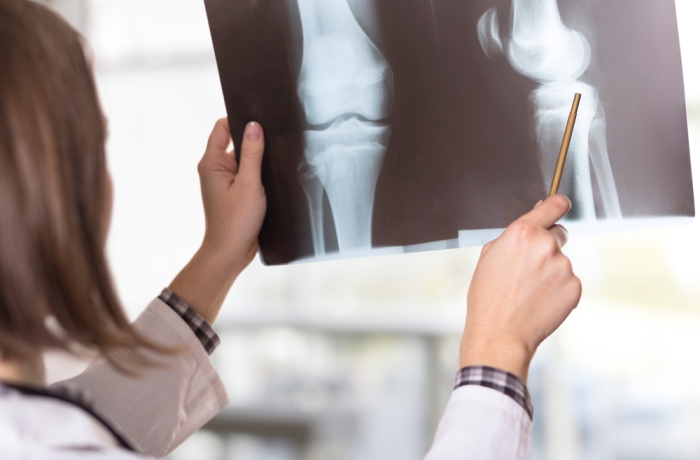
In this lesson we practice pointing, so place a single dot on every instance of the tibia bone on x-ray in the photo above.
(345, 87)
(347, 158)
(540, 47)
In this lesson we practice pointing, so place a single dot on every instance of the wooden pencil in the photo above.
(565, 146)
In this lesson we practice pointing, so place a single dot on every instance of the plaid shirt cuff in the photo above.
(204, 332)
(499, 380)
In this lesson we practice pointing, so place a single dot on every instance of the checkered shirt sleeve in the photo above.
(204, 332)
(499, 380)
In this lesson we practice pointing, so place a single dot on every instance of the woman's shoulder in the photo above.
(36, 423)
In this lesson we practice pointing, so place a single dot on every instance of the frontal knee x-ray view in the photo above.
(406, 125)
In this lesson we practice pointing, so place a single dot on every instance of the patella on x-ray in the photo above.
(405, 125)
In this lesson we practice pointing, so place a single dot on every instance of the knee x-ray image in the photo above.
(406, 125)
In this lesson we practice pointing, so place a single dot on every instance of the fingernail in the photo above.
(538, 203)
(253, 131)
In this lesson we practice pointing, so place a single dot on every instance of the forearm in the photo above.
(206, 280)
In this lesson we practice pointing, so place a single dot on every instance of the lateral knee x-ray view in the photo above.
(406, 125)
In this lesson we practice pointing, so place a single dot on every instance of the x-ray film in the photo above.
(408, 125)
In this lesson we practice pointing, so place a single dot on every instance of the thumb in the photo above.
(252, 150)
(549, 212)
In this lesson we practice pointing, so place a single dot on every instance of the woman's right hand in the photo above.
(522, 291)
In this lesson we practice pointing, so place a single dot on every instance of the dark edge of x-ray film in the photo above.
(462, 153)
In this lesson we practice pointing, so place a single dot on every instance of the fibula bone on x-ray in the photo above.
(539, 46)
(345, 86)
(396, 126)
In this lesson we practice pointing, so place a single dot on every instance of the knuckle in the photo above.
(562, 271)
(576, 288)
(566, 273)
(521, 230)
(566, 266)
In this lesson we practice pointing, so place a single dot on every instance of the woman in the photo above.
(152, 384)
(55, 287)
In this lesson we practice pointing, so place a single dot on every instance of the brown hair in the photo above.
(52, 195)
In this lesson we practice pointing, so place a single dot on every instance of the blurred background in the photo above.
(355, 359)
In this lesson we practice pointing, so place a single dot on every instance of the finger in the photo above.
(549, 212)
(561, 235)
(220, 137)
(217, 157)
(252, 150)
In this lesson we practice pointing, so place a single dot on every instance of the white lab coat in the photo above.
(158, 411)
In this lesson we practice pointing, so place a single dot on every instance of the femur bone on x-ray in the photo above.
(539, 46)
(345, 86)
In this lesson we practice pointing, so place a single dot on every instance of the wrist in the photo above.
(505, 353)
(221, 258)
(206, 280)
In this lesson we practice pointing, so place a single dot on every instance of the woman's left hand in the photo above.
(234, 209)
(233, 195)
